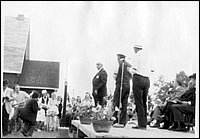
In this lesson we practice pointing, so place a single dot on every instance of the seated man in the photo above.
(185, 105)
(187, 96)
(160, 109)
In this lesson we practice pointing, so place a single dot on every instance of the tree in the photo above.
(181, 76)
(162, 87)
(163, 92)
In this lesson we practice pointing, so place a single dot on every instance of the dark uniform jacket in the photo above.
(189, 95)
(99, 83)
(30, 110)
(126, 74)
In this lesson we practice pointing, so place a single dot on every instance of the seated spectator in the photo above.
(156, 112)
(184, 105)
(187, 96)
(131, 109)
(152, 112)
(69, 115)
(78, 100)
(107, 101)
(74, 108)
(87, 101)
(161, 109)
(73, 102)
(72, 111)
(177, 90)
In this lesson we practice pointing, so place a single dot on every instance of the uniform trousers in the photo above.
(124, 101)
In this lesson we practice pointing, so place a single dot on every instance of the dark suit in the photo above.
(43, 101)
(99, 83)
(59, 109)
(177, 110)
(28, 115)
(173, 111)
(188, 95)
(5, 119)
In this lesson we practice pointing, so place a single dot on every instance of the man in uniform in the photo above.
(122, 80)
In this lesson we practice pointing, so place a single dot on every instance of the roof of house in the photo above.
(15, 42)
(40, 74)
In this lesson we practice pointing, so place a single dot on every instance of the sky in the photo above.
(79, 34)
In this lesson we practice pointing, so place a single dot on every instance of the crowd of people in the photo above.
(29, 112)
(44, 113)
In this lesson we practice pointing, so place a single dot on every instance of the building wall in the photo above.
(13, 78)
(29, 90)
(27, 51)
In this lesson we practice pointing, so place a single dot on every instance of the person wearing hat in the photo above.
(173, 94)
(184, 105)
(124, 80)
(44, 100)
(141, 83)
(99, 82)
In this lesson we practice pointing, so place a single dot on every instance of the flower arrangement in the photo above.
(85, 111)
(85, 114)
(102, 119)
(102, 113)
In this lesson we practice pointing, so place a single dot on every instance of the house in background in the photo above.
(18, 68)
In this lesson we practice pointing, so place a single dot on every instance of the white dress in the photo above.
(41, 115)
(53, 109)
(52, 113)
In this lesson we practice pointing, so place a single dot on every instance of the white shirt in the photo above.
(52, 104)
(140, 64)
(7, 92)
(87, 103)
(20, 97)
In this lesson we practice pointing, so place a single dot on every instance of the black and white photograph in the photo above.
(100, 69)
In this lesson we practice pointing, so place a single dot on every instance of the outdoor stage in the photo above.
(128, 132)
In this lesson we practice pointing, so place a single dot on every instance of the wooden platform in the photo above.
(128, 132)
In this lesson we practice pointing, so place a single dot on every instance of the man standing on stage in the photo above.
(122, 80)
(99, 85)
(141, 84)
